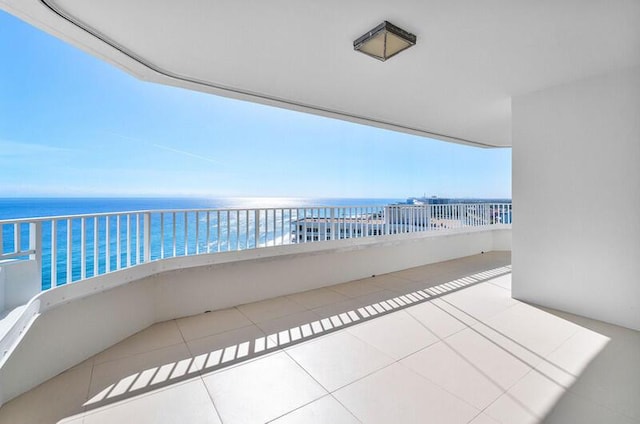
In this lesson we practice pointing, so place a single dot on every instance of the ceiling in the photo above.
(455, 84)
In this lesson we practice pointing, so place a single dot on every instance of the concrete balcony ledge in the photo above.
(500, 236)
(62, 327)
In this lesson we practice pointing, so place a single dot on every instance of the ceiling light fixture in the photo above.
(384, 41)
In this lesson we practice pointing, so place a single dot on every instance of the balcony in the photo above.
(296, 328)
(347, 316)
(155, 266)
(442, 343)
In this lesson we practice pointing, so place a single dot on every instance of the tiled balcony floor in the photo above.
(442, 343)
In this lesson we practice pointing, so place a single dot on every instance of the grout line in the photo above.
(393, 361)
(310, 376)
(440, 387)
(213, 403)
(328, 331)
(278, 349)
(218, 334)
(388, 355)
(137, 354)
(181, 334)
(532, 368)
(244, 315)
(479, 321)
(345, 407)
(277, 317)
(313, 401)
(289, 297)
(84, 407)
(513, 398)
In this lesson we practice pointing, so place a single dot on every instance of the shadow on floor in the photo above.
(289, 333)
(592, 377)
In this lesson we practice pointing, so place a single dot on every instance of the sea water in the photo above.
(13, 208)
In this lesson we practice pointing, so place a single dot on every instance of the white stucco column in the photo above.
(576, 193)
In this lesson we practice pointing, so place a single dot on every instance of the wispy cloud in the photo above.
(167, 148)
(184, 152)
(11, 148)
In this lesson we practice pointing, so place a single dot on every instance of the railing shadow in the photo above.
(602, 377)
(158, 375)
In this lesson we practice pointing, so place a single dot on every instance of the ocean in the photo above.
(11, 208)
(171, 234)
(225, 233)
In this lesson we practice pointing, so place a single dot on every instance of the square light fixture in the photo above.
(384, 41)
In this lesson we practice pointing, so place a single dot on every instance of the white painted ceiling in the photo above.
(456, 84)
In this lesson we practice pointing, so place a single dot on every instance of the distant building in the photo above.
(417, 214)
(316, 229)
(435, 200)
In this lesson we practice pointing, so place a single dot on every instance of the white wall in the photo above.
(19, 282)
(3, 280)
(112, 307)
(576, 193)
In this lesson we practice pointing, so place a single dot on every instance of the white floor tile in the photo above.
(287, 323)
(58, 398)
(612, 378)
(356, 288)
(481, 301)
(509, 345)
(429, 274)
(397, 395)
(124, 371)
(157, 336)
(529, 400)
(503, 281)
(261, 390)
(186, 402)
(337, 308)
(454, 311)
(575, 409)
(508, 410)
(316, 298)
(338, 359)
(227, 346)
(484, 419)
(270, 309)
(568, 362)
(392, 282)
(439, 322)
(202, 325)
(375, 297)
(322, 411)
(500, 366)
(397, 334)
(537, 330)
(443, 366)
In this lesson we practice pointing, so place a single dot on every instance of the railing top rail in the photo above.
(145, 211)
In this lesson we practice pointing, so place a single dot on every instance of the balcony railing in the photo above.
(76, 247)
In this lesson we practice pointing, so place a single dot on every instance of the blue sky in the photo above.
(72, 125)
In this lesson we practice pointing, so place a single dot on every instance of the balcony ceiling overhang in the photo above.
(455, 84)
